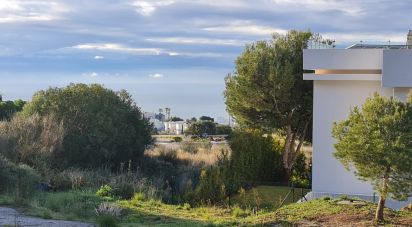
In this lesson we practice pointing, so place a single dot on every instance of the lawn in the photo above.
(76, 205)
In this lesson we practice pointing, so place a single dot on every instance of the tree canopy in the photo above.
(102, 127)
(206, 118)
(267, 91)
(200, 128)
(8, 108)
(376, 140)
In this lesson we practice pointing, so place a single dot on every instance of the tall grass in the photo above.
(206, 155)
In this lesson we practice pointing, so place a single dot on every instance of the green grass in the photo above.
(270, 197)
(76, 205)
(331, 213)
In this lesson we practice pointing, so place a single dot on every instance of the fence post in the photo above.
(293, 193)
(301, 193)
(374, 194)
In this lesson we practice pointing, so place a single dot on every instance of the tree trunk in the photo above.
(291, 151)
(383, 193)
(379, 209)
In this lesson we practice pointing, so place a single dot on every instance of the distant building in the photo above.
(156, 120)
(175, 127)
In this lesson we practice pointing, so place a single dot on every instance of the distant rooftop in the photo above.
(378, 46)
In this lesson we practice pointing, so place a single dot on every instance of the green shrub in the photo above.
(60, 181)
(137, 198)
(177, 139)
(106, 221)
(186, 206)
(73, 203)
(301, 172)
(20, 180)
(123, 190)
(238, 212)
(101, 126)
(104, 191)
(256, 157)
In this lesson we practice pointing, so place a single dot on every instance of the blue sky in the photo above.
(168, 53)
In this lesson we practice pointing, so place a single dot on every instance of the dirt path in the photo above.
(11, 217)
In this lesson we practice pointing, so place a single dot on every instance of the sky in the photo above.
(168, 53)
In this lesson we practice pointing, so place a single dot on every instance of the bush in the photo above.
(200, 128)
(20, 180)
(73, 203)
(106, 221)
(256, 157)
(104, 191)
(223, 129)
(102, 127)
(33, 140)
(177, 139)
(60, 181)
(301, 173)
(123, 190)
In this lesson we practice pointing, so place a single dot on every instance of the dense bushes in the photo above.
(8, 108)
(34, 140)
(199, 128)
(20, 180)
(101, 127)
(256, 157)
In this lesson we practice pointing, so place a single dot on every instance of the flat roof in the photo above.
(378, 46)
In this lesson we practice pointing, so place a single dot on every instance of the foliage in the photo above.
(104, 191)
(206, 118)
(102, 127)
(68, 205)
(33, 140)
(106, 221)
(19, 180)
(176, 119)
(266, 90)
(9, 108)
(200, 128)
(301, 173)
(376, 142)
(255, 157)
(223, 130)
(177, 139)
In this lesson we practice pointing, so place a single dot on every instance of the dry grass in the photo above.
(203, 156)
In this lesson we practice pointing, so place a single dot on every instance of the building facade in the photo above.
(342, 79)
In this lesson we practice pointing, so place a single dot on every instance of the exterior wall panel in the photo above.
(356, 59)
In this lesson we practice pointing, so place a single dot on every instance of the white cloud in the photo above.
(146, 8)
(120, 48)
(14, 11)
(98, 57)
(202, 41)
(350, 7)
(245, 27)
(91, 74)
(156, 76)
(114, 47)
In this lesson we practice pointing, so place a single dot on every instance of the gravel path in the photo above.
(9, 216)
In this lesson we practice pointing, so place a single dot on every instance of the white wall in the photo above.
(397, 68)
(342, 58)
(332, 102)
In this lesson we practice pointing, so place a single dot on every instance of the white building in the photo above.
(344, 78)
(175, 127)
